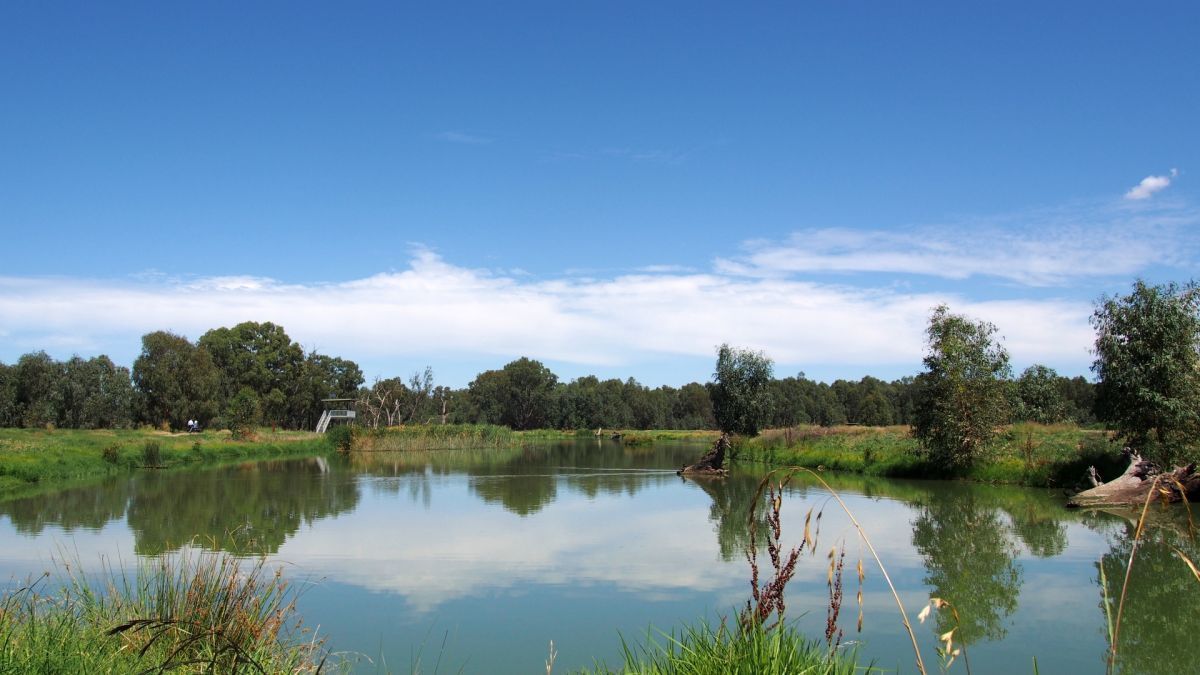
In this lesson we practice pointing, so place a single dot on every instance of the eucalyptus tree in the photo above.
(961, 395)
(176, 380)
(1148, 363)
(741, 392)
(1039, 395)
(260, 356)
(519, 395)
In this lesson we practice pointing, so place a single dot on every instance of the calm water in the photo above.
(479, 559)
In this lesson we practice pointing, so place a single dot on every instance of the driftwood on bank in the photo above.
(1133, 486)
(712, 463)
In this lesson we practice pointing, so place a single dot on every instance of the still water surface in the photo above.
(480, 558)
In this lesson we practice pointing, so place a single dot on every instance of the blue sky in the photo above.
(614, 188)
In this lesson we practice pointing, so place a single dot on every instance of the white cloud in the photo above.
(1039, 248)
(436, 308)
(1150, 185)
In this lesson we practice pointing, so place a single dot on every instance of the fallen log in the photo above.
(712, 463)
(1133, 486)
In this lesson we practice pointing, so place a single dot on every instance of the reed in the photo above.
(434, 437)
(190, 613)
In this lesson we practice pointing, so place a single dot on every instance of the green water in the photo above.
(475, 560)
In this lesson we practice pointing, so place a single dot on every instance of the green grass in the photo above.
(32, 460)
(703, 650)
(434, 437)
(1035, 455)
(190, 613)
(639, 437)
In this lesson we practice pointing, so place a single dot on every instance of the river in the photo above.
(476, 560)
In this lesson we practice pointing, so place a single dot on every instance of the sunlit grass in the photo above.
(1030, 454)
(190, 613)
(38, 459)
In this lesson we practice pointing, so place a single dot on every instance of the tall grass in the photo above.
(434, 437)
(754, 650)
(195, 612)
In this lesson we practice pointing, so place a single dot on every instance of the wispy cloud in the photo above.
(437, 308)
(463, 138)
(1150, 185)
(1044, 248)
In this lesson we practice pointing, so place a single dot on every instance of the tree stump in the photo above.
(712, 463)
(1133, 486)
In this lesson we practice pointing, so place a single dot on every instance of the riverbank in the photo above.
(1027, 454)
(37, 459)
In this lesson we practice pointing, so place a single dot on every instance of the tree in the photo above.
(520, 395)
(9, 416)
(961, 395)
(1039, 396)
(1149, 368)
(176, 379)
(97, 394)
(741, 393)
(260, 356)
(39, 391)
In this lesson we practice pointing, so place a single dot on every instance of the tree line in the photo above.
(255, 373)
(231, 377)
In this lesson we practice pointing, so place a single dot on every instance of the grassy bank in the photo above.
(37, 459)
(190, 613)
(1029, 454)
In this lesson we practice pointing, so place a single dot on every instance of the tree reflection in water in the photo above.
(250, 508)
(1159, 622)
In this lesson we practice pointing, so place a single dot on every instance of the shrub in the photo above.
(341, 437)
(111, 453)
(151, 454)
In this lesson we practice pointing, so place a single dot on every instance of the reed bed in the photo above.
(431, 437)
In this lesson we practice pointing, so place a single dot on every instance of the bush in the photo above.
(244, 413)
(341, 437)
(111, 454)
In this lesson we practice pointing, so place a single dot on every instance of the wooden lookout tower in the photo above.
(339, 410)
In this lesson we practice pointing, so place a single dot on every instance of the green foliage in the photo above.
(961, 396)
(341, 437)
(1040, 397)
(741, 393)
(111, 453)
(176, 379)
(1148, 364)
(243, 413)
(519, 396)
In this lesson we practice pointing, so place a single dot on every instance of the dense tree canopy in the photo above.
(1149, 368)
(177, 380)
(520, 395)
